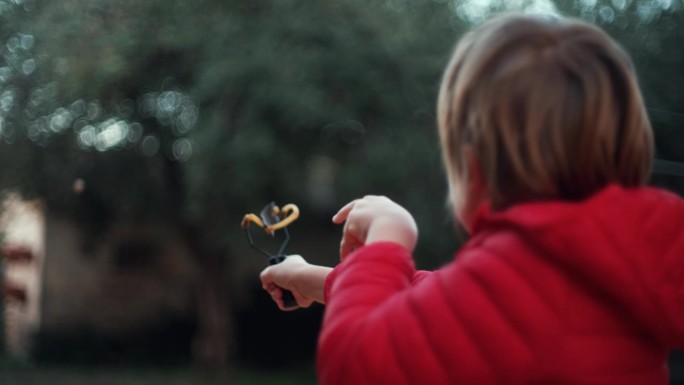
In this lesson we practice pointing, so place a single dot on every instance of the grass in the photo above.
(16, 373)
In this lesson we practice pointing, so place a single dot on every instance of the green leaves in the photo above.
(249, 101)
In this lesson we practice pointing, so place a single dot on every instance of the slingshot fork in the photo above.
(271, 221)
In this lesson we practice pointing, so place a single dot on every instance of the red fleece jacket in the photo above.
(543, 293)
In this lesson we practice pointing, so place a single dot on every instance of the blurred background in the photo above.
(135, 135)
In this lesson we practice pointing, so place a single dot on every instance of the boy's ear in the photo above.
(476, 181)
(474, 197)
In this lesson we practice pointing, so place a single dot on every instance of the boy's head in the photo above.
(538, 108)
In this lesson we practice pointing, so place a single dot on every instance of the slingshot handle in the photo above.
(289, 301)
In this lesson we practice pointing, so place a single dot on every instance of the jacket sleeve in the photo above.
(672, 299)
(416, 278)
(420, 275)
(379, 328)
(668, 272)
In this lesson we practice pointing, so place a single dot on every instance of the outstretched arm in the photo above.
(368, 220)
(304, 280)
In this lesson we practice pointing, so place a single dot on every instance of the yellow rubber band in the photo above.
(291, 213)
(251, 218)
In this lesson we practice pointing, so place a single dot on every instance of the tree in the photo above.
(192, 113)
(211, 109)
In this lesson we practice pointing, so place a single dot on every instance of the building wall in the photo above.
(22, 224)
(137, 277)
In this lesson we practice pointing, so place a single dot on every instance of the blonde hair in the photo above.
(550, 108)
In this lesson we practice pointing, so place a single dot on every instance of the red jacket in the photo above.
(543, 293)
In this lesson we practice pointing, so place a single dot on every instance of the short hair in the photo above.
(550, 107)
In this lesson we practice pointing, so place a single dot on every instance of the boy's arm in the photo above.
(307, 282)
(304, 280)
(310, 282)
(380, 328)
(419, 275)
(368, 220)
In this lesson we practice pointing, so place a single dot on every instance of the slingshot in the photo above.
(271, 219)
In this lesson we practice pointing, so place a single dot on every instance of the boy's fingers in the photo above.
(349, 243)
(277, 297)
(276, 293)
(265, 278)
(342, 214)
(302, 301)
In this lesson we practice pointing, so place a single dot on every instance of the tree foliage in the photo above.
(192, 113)
(202, 110)
(247, 101)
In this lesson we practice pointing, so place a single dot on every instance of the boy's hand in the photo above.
(284, 275)
(375, 219)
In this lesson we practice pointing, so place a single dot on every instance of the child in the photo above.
(574, 273)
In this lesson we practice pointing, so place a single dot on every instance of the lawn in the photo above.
(13, 374)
